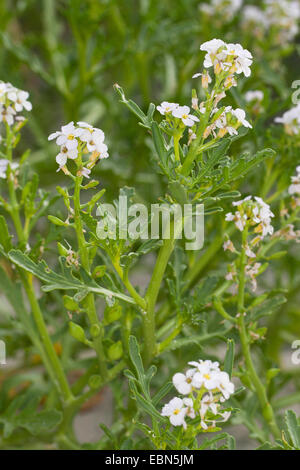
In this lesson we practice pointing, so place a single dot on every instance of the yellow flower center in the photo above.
(71, 137)
(207, 376)
(176, 412)
(184, 116)
(188, 380)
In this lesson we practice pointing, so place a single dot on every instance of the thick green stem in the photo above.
(153, 291)
(195, 148)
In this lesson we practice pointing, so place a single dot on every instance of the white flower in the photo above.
(225, 415)
(12, 101)
(207, 386)
(254, 95)
(182, 112)
(85, 172)
(3, 167)
(184, 382)
(222, 122)
(240, 115)
(94, 139)
(225, 386)
(102, 149)
(230, 120)
(212, 46)
(258, 212)
(239, 220)
(89, 138)
(64, 154)
(3, 89)
(7, 114)
(201, 365)
(215, 52)
(242, 58)
(231, 272)
(262, 215)
(252, 271)
(291, 120)
(190, 412)
(203, 425)
(239, 203)
(67, 136)
(84, 124)
(176, 411)
(249, 252)
(208, 402)
(20, 98)
(206, 78)
(165, 107)
(227, 56)
(228, 245)
(206, 374)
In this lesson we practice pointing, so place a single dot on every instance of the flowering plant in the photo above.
(187, 335)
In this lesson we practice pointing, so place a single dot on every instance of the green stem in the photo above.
(124, 278)
(153, 291)
(196, 145)
(266, 407)
(221, 310)
(165, 343)
(62, 383)
(176, 139)
(90, 300)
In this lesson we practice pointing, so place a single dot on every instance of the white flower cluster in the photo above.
(281, 16)
(205, 387)
(291, 120)
(179, 112)
(12, 102)
(4, 165)
(232, 58)
(253, 213)
(227, 60)
(225, 8)
(76, 139)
